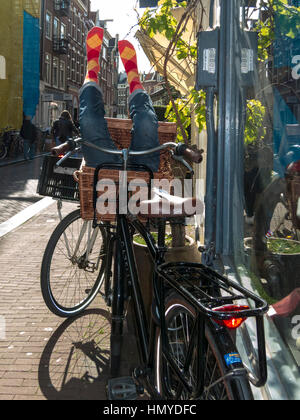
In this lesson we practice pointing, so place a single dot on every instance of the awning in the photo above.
(181, 73)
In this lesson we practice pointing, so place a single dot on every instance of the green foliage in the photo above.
(265, 38)
(281, 19)
(195, 101)
(161, 20)
(254, 130)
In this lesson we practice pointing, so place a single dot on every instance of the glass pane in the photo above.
(272, 165)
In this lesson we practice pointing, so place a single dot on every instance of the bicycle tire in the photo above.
(3, 151)
(70, 284)
(272, 216)
(217, 386)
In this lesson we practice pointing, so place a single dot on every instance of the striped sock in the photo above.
(94, 42)
(129, 60)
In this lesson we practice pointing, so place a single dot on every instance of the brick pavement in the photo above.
(18, 183)
(43, 356)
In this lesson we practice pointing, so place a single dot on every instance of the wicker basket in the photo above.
(120, 131)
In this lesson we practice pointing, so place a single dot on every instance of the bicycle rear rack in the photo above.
(206, 290)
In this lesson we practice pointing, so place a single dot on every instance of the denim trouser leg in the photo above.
(26, 149)
(32, 151)
(94, 127)
(145, 128)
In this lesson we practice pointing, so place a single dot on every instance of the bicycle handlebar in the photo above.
(194, 155)
(63, 148)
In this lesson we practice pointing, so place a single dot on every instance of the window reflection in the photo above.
(272, 170)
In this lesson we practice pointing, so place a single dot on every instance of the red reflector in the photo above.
(233, 322)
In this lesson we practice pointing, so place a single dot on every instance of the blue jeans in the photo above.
(29, 149)
(94, 127)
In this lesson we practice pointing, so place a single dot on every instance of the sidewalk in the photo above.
(43, 356)
(18, 185)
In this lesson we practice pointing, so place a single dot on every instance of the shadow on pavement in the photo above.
(75, 362)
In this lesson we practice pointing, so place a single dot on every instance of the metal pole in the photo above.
(230, 151)
(221, 113)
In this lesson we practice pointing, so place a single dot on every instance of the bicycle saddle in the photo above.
(165, 205)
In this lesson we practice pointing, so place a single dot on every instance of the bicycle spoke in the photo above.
(182, 329)
(71, 268)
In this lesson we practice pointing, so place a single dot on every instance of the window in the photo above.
(104, 52)
(62, 74)
(48, 25)
(73, 66)
(78, 37)
(56, 28)
(78, 79)
(74, 25)
(48, 68)
(82, 69)
(62, 31)
(55, 72)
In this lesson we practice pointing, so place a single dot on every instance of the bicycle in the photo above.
(275, 212)
(5, 141)
(188, 350)
(17, 144)
(276, 231)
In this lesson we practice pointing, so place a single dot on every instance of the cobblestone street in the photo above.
(43, 356)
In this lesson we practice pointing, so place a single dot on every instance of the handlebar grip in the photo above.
(63, 148)
(194, 155)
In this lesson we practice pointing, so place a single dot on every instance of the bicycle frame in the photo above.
(120, 244)
(124, 258)
(126, 278)
(125, 261)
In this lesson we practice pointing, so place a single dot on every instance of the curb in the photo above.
(20, 160)
(24, 215)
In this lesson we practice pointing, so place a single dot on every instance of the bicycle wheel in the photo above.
(73, 265)
(3, 150)
(180, 316)
(273, 217)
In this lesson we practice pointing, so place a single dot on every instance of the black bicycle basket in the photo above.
(58, 182)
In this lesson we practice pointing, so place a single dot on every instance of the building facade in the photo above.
(123, 95)
(108, 75)
(64, 26)
(19, 61)
(154, 85)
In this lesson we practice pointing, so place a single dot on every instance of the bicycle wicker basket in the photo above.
(120, 131)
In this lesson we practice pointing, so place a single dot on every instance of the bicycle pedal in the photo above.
(123, 388)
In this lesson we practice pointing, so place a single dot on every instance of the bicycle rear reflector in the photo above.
(234, 322)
